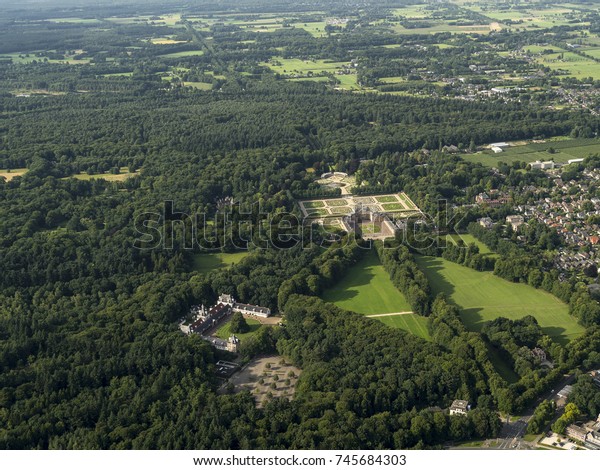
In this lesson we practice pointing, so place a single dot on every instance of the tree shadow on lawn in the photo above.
(348, 287)
(474, 320)
(432, 267)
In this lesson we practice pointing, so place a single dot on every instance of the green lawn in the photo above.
(337, 202)
(483, 297)
(207, 262)
(386, 199)
(413, 323)
(366, 288)
(468, 239)
(313, 204)
(566, 149)
(224, 332)
(393, 206)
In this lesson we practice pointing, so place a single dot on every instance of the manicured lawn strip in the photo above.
(366, 288)
(413, 323)
(385, 199)
(394, 206)
(313, 204)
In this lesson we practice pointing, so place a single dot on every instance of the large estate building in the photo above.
(205, 319)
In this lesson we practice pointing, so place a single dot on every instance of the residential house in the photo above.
(459, 407)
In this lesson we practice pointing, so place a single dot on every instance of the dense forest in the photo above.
(90, 353)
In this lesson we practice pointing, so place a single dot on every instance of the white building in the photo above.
(539, 165)
(575, 160)
(496, 150)
(247, 309)
(459, 407)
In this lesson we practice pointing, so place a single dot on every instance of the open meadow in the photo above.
(207, 262)
(482, 297)
(366, 288)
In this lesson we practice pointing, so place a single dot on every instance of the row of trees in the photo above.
(406, 276)
(468, 255)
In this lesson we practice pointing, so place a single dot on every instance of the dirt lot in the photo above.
(267, 377)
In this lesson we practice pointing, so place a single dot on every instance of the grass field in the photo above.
(176, 55)
(366, 288)
(566, 149)
(483, 297)
(207, 262)
(224, 332)
(413, 323)
(122, 176)
(165, 41)
(287, 66)
(468, 239)
(348, 82)
(574, 65)
(199, 85)
(12, 173)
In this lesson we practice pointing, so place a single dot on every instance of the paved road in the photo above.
(512, 433)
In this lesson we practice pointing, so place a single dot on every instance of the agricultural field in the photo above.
(366, 288)
(208, 262)
(163, 41)
(531, 18)
(483, 297)
(444, 27)
(565, 149)
(571, 64)
(294, 67)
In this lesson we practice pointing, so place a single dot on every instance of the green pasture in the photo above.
(483, 297)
